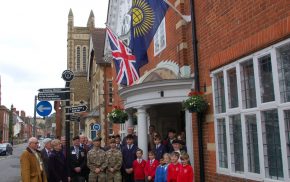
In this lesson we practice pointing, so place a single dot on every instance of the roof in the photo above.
(98, 39)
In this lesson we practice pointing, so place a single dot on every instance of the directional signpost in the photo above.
(53, 96)
(43, 108)
(77, 109)
(54, 90)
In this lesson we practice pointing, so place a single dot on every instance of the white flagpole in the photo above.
(186, 18)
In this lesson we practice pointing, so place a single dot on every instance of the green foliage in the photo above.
(195, 103)
(118, 115)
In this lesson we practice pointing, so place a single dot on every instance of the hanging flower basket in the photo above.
(118, 115)
(196, 102)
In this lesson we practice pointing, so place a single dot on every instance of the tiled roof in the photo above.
(98, 38)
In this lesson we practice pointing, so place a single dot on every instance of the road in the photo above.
(10, 165)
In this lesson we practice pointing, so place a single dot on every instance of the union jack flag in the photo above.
(125, 61)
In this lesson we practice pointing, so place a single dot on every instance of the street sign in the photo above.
(67, 75)
(43, 108)
(97, 127)
(77, 109)
(54, 90)
(53, 96)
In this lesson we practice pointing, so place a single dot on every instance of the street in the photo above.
(10, 165)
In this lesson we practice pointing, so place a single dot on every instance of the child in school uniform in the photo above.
(186, 171)
(151, 166)
(139, 166)
(161, 171)
(173, 167)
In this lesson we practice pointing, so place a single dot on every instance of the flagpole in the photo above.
(186, 18)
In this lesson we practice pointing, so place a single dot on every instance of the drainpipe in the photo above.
(197, 88)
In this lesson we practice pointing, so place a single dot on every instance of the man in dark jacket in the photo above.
(77, 161)
(45, 152)
(129, 155)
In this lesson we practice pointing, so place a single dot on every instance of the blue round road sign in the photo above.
(43, 108)
(97, 127)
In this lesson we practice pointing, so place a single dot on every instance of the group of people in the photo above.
(119, 161)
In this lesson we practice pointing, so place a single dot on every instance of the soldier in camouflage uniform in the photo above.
(97, 162)
(114, 163)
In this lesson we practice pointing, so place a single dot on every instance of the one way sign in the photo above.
(77, 109)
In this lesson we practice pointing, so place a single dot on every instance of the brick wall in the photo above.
(227, 31)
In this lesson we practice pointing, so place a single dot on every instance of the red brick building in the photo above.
(4, 124)
(243, 51)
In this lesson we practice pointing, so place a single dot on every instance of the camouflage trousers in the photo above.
(101, 177)
(114, 177)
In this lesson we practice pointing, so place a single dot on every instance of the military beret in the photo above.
(97, 139)
(177, 141)
(112, 140)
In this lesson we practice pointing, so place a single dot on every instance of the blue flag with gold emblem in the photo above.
(146, 16)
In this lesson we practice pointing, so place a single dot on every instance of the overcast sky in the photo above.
(33, 45)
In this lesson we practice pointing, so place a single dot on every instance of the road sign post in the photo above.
(77, 109)
(46, 96)
(43, 108)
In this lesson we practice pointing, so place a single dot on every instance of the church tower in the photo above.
(78, 42)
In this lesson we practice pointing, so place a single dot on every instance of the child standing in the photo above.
(139, 166)
(186, 171)
(173, 167)
(161, 171)
(151, 166)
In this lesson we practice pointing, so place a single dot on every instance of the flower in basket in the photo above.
(118, 115)
(196, 102)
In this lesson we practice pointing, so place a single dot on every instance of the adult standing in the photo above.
(32, 169)
(129, 155)
(63, 145)
(77, 161)
(130, 131)
(114, 157)
(45, 152)
(97, 162)
(57, 170)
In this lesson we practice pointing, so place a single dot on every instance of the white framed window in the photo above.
(252, 115)
(160, 38)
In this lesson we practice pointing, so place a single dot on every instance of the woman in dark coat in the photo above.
(57, 169)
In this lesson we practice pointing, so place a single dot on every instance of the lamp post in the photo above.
(34, 118)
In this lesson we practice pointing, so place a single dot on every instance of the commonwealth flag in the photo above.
(146, 16)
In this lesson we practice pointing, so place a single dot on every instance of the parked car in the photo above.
(6, 149)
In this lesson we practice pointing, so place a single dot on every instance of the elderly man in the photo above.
(45, 153)
(130, 131)
(32, 169)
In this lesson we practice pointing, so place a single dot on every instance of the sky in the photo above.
(33, 45)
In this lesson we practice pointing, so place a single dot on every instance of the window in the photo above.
(110, 92)
(160, 38)
(253, 139)
(272, 144)
(233, 88)
(222, 143)
(93, 131)
(84, 58)
(236, 143)
(248, 84)
(78, 58)
(266, 79)
(220, 103)
(252, 143)
(287, 136)
(283, 60)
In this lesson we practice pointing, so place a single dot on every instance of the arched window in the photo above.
(78, 58)
(84, 58)
(93, 131)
